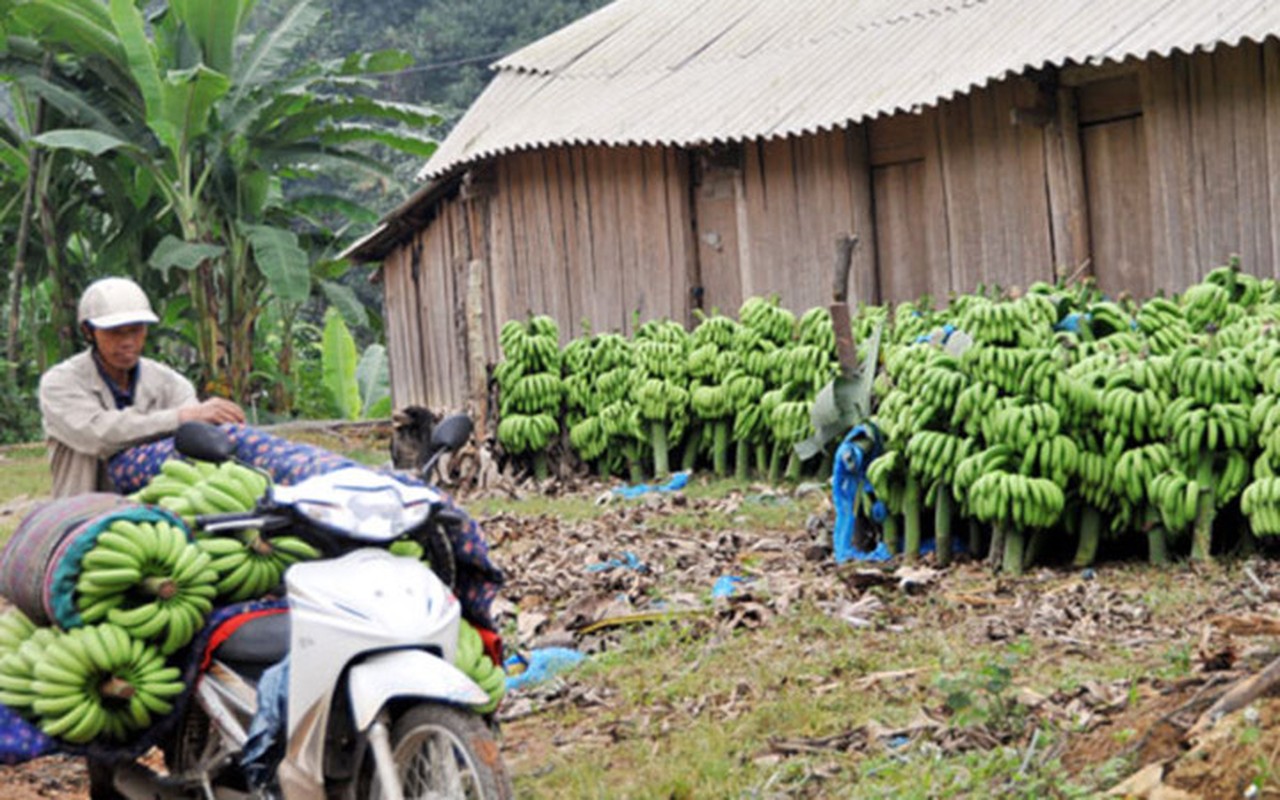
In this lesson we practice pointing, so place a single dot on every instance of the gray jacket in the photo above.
(84, 428)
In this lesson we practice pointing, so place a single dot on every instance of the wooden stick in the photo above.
(1242, 694)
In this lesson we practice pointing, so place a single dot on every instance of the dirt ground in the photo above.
(1150, 721)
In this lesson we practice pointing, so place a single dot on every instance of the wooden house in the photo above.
(663, 156)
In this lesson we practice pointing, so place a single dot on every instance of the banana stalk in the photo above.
(911, 518)
(1014, 549)
(658, 438)
(1202, 534)
(942, 516)
(1090, 536)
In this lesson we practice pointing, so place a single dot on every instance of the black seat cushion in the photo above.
(260, 640)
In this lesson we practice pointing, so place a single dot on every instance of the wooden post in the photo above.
(846, 352)
(1068, 206)
(477, 368)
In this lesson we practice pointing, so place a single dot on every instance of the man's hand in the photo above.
(215, 410)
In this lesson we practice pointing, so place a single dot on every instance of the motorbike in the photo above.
(373, 706)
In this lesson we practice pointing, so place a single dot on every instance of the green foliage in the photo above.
(357, 388)
(338, 360)
(18, 409)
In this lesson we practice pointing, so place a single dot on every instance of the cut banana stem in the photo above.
(116, 689)
(1090, 536)
(158, 586)
(911, 519)
(658, 436)
(975, 537)
(793, 465)
(1202, 535)
(1014, 551)
(1035, 545)
(996, 551)
(742, 461)
(1157, 545)
(942, 513)
(720, 446)
(891, 533)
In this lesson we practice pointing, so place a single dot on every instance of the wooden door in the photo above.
(1116, 185)
(717, 282)
(910, 229)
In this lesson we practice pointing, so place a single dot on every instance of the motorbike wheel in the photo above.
(442, 751)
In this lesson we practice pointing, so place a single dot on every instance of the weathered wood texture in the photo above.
(1145, 175)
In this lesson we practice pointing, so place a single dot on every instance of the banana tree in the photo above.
(215, 125)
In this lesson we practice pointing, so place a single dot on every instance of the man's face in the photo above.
(120, 348)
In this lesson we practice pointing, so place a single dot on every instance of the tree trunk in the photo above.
(19, 270)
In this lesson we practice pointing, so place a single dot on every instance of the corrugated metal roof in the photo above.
(685, 72)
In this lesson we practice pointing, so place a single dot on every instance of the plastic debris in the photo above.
(726, 585)
(629, 560)
(678, 481)
(540, 665)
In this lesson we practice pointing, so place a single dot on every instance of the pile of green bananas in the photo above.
(188, 488)
(89, 682)
(530, 386)
(248, 564)
(476, 664)
(149, 579)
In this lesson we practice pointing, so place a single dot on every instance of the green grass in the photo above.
(696, 715)
(24, 472)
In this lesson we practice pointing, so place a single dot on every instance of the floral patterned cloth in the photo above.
(478, 579)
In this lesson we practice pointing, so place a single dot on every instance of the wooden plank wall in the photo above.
(1213, 150)
(997, 216)
(795, 197)
(401, 313)
(591, 236)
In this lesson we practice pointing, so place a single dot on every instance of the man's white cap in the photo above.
(112, 302)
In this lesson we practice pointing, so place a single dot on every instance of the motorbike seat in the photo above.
(261, 640)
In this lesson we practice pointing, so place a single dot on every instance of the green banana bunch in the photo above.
(1165, 326)
(768, 319)
(476, 664)
(249, 565)
(189, 488)
(1176, 497)
(149, 579)
(1000, 365)
(933, 455)
(1207, 304)
(533, 393)
(1260, 502)
(1135, 469)
(18, 670)
(815, 328)
(524, 433)
(15, 627)
(98, 681)
(1007, 497)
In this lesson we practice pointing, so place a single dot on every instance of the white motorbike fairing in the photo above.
(343, 610)
(362, 504)
(407, 673)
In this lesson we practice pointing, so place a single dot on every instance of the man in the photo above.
(109, 397)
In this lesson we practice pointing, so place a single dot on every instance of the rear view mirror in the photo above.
(448, 435)
(203, 442)
(451, 432)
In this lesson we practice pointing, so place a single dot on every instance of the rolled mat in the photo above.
(25, 559)
(64, 566)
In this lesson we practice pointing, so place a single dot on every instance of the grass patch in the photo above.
(694, 714)
(24, 472)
